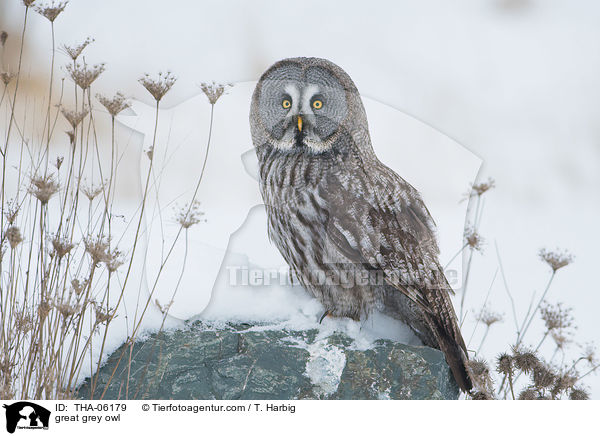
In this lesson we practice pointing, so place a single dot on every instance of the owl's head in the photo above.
(306, 105)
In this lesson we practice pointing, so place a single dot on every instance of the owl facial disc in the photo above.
(302, 107)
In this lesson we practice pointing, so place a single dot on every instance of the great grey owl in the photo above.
(356, 235)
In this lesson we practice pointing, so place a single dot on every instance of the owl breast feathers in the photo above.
(356, 235)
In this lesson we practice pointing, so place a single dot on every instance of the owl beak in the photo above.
(299, 123)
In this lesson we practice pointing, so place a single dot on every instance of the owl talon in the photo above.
(326, 313)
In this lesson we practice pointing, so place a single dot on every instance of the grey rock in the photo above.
(239, 362)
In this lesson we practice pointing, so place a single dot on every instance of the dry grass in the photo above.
(63, 278)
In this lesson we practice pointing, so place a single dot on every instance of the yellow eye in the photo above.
(317, 104)
(286, 104)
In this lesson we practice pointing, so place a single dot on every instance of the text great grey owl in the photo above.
(355, 234)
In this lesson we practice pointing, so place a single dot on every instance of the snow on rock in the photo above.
(324, 366)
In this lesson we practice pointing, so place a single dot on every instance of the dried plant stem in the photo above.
(76, 359)
(594, 368)
(95, 379)
(510, 384)
(143, 205)
(487, 329)
(525, 326)
(111, 181)
(542, 340)
(484, 305)
(105, 189)
(164, 318)
(17, 79)
(131, 339)
(456, 255)
(47, 331)
(58, 104)
(506, 287)
(4, 151)
(137, 233)
(50, 94)
(3, 95)
(180, 228)
(526, 322)
(468, 270)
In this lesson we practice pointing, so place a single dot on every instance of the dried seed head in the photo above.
(555, 259)
(478, 367)
(564, 382)
(78, 286)
(71, 135)
(6, 367)
(556, 317)
(74, 118)
(66, 310)
(12, 211)
(150, 153)
(589, 354)
(23, 322)
(43, 188)
(75, 50)
(480, 373)
(52, 10)
(160, 86)
(478, 189)
(97, 249)
(214, 91)
(114, 260)
(6, 77)
(163, 309)
(480, 395)
(28, 3)
(560, 338)
(579, 394)
(62, 246)
(529, 394)
(473, 239)
(481, 188)
(101, 315)
(114, 105)
(543, 377)
(92, 191)
(13, 235)
(187, 216)
(504, 364)
(59, 162)
(525, 359)
(6, 389)
(44, 309)
(84, 75)
(488, 317)
(3, 38)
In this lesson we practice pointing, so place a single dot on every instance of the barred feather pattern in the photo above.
(344, 216)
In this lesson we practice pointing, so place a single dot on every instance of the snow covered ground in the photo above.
(513, 81)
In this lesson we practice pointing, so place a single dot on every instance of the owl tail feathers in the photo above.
(457, 360)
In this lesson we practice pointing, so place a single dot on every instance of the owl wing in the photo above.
(380, 220)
